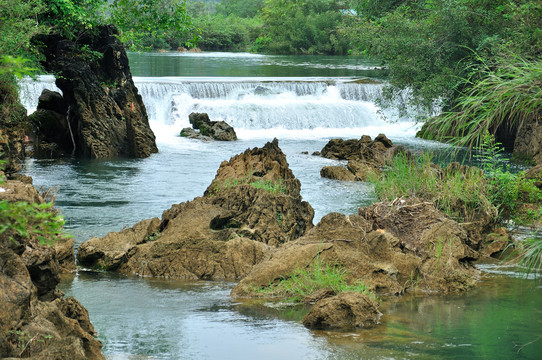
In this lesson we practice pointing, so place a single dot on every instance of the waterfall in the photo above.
(258, 107)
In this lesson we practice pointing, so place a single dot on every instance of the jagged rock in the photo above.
(348, 310)
(337, 173)
(365, 156)
(106, 114)
(217, 130)
(13, 120)
(221, 235)
(35, 321)
(535, 173)
(388, 247)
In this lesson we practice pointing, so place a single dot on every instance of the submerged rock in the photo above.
(252, 205)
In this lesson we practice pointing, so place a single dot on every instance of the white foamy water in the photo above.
(286, 108)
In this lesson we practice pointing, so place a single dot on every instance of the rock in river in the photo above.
(252, 205)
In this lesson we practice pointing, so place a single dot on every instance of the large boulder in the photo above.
(35, 320)
(347, 310)
(106, 116)
(252, 205)
(366, 157)
(216, 130)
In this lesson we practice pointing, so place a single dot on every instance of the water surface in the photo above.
(303, 101)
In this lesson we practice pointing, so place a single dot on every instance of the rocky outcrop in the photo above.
(365, 156)
(13, 122)
(346, 311)
(208, 130)
(35, 320)
(252, 206)
(388, 247)
(106, 116)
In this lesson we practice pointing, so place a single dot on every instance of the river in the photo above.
(303, 101)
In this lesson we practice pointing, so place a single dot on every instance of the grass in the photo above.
(302, 283)
(460, 194)
(502, 95)
(530, 256)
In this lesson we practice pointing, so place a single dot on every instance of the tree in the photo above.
(304, 27)
(157, 19)
(430, 46)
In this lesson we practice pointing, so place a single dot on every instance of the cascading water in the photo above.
(295, 108)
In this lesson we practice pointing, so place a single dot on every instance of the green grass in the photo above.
(530, 253)
(302, 283)
(460, 194)
(503, 94)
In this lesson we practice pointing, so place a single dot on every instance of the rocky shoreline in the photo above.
(36, 320)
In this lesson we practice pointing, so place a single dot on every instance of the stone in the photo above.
(221, 235)
(345, 311)
(106, 113)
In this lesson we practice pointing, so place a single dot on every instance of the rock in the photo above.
(53, 135)
(106, 114)
(535, 173)
(528, 139)
(337, 173)
(217, 130)
(495, 243)
(390, 248)
(35, 321)
(347, 310)
(193, 134)
(365, 157)
(220, 235)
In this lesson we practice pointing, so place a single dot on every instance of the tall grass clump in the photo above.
(459, 192)
(318, 276)
(502, 95)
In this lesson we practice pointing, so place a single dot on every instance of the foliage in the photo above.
(459, 193)
(508, 192)
(508, 94)
(226, 33)
(71, 17)
(304, 282)
(530, 255)
(157, 19)
(19, 25)
(240, 8)
(427, 44)
(30, 221)
(304, 27)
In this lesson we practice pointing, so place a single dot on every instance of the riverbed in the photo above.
(303, 101)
